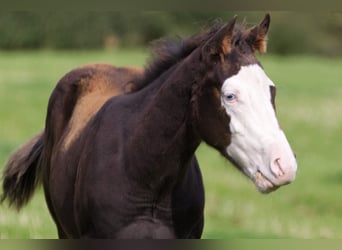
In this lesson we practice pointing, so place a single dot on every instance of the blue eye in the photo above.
(230, 97)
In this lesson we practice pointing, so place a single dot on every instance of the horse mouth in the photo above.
(263, 184)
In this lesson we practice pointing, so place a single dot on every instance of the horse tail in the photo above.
(21, 174)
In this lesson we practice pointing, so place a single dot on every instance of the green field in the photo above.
(309, 101)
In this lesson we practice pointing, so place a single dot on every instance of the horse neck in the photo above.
(165, 136)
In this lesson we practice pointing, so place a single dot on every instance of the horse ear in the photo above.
(256, 37)
(220, 43)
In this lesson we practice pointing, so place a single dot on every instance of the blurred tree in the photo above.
(20, 30)
(291, 32)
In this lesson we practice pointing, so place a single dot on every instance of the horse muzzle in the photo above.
(280, 168)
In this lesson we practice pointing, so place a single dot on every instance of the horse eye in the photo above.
(230, 97)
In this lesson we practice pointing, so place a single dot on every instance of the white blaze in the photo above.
(258, 145)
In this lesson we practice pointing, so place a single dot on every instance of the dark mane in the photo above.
(168, 52)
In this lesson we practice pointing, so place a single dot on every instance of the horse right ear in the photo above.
(220, 44)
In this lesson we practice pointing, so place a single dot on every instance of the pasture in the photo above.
(309, 102)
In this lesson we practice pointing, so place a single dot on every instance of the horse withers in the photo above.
(121, 166)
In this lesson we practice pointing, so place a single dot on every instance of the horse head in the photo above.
(234, 106)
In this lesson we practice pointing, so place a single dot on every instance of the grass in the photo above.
(309, 94)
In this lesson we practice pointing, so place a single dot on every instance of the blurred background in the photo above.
(97, 30)
(304, 60)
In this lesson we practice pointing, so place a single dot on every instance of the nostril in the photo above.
(276, 168)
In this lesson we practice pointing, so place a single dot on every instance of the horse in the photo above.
(122, 165)
(96, 79)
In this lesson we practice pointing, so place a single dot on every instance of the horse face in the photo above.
(256, 144)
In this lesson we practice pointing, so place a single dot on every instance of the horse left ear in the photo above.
(220, 43)
(256, 37)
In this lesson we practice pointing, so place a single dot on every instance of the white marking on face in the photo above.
(258, 145)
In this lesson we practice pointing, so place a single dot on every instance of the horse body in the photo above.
(141, 172)
(67, 181)
(123, 166)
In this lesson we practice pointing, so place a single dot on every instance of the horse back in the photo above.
(81, 93)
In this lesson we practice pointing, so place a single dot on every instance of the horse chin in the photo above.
(263, 184)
